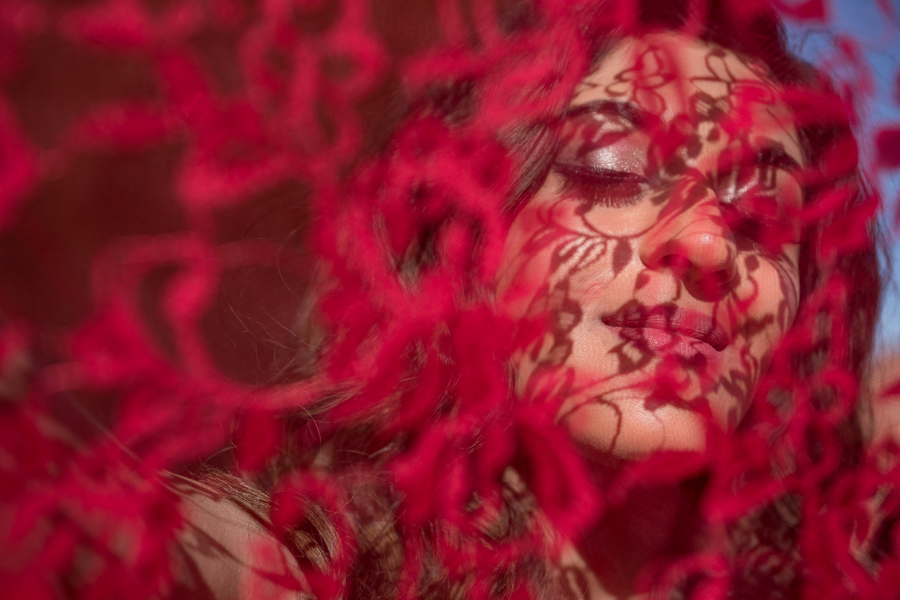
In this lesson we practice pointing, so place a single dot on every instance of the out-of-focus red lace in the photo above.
(242, 98)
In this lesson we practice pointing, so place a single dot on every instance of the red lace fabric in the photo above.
(175, 177)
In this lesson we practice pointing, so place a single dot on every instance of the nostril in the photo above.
(677, 263)
(715, 284)
(707, 279)
(692, 248)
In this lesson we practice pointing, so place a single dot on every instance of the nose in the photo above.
(691, 238)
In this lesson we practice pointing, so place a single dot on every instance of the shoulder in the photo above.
(227, 551)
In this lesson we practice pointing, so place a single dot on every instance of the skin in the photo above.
(224, 553)
(658, 218)
(662, 248)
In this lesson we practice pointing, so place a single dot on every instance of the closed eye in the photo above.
(752, 198)
(604, 187)
(756, 173)
(758, 220)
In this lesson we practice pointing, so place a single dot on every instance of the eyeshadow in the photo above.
(618, 157)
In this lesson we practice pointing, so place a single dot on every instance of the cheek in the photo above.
(766, 302)
(534, 253)
(523, 271)
(558, 271)
(762, 309)
(552, 269)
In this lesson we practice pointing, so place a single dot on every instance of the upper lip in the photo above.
(671, 318)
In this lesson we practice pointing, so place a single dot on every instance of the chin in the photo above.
(631, 429)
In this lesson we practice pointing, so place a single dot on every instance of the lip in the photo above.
(671, 320)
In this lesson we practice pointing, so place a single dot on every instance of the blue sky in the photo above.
(880, 41)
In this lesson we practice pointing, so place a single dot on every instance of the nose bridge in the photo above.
(691, 235)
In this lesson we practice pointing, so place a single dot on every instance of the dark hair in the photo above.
(840, 289)
(831, 153)
(837, 333)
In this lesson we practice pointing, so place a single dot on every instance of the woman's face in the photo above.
(662, 248)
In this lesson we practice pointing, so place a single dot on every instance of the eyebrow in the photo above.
(629, 111)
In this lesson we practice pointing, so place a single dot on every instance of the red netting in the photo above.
(363, 254)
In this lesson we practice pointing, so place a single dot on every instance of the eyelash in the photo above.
(603, 187)
(617, 189)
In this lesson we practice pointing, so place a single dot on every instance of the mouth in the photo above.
(668, 327)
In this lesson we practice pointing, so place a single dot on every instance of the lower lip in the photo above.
(666, 342)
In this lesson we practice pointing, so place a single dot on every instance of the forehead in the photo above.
(671, 76)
